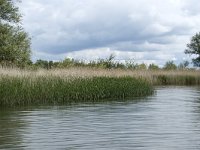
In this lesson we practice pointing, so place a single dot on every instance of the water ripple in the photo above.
(170, 119)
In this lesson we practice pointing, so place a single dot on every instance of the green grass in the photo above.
(55, 90)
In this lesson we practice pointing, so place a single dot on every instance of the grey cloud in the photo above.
(59, 27)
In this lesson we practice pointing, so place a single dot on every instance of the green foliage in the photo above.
(68, 62)
(104, 63)
(193, 48)
(183, 65)
(130, 64)
(142, 66)
(14, 42)
(196, 61)
(169, 65)
(8, 12)
(14, 45)
(42, 64)
(153, 67)
(20, 91)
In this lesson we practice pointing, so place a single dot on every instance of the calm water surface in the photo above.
(168, 120)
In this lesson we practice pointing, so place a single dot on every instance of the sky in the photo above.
(148, 31)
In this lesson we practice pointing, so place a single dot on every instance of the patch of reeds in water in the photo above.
(42, 90)
(23, 87)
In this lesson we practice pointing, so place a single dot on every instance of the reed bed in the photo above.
(158, 77)
(41, 87)
(42, 90)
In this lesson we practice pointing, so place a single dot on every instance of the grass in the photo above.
(41, 87)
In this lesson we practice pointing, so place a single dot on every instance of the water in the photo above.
(168, 120)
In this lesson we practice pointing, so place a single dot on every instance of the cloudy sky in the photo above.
(150, 31)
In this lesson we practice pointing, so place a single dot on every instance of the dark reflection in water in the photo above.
(169, 120)
(10, 125)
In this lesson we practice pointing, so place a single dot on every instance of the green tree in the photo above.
(67, 62)
(169, 65)
(130, 64)
(193, 48)
(142, 66)
(183, 65)
(42, 64)
(14, 41)
(46, 64)
(153, 67)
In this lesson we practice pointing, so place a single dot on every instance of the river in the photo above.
(167, 120)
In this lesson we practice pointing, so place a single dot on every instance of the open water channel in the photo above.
(167, 120)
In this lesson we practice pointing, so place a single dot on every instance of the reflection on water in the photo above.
(10, 124)
(168, 120)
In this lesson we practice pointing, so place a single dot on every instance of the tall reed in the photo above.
(41, 90)
(25, 87)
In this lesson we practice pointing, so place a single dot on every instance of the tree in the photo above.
(193, 48)
(67, 62)
(42, 64)
(169, 65)
(9, 12)
(130, 64)
(14, 41)
(183, 65)
(142, 66)
(153, 67)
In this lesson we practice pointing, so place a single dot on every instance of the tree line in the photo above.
(109, 63)
(15, 48)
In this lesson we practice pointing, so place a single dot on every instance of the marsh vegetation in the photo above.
(62, 86)
(43, 87)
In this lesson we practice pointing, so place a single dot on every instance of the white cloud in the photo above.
(88, 27)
